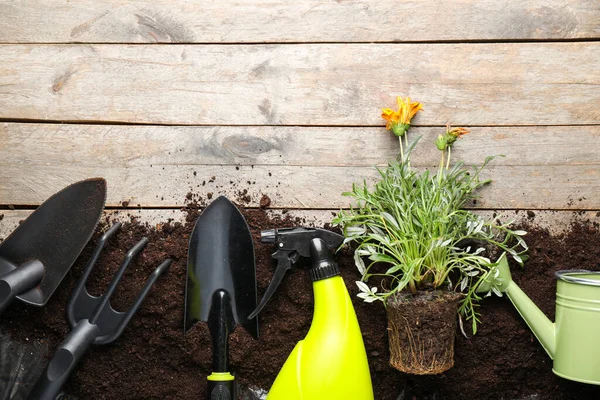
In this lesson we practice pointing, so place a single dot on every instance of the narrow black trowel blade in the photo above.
(55, 233)
(221, 256)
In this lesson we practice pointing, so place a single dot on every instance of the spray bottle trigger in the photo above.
(285, 260)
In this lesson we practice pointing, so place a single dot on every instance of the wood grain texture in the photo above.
(297, 167)
(555, 221)
(127, 146)
(469, 84)
(168, 21)
(513, 187)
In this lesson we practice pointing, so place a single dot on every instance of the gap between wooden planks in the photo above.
(309, 84)
(171, 21)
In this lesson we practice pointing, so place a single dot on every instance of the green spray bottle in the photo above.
(331, 361)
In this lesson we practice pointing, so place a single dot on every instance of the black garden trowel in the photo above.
(35, 258)
(221, 285)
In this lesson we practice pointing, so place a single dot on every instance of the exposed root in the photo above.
(418, 344)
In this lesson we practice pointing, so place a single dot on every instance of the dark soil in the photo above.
(421, 331)
(154, 359)
(265, 201)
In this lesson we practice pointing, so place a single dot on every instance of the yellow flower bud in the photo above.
(442, 142)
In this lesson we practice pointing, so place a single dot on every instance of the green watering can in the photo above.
(573, 341)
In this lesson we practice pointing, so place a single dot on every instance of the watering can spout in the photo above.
(542, 327)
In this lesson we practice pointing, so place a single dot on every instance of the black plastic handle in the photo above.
(220, 390)
(66, 358)
(221, 323)
(20, 280)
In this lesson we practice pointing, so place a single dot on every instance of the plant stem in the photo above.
(448, 161)
(441, 168)
(412, 287)
(401, 149)
(406, 144)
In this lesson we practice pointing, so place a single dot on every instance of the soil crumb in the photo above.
(265, 201)
(242, 197)
(530, 215)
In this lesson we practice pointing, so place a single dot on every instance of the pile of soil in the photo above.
(154, 359)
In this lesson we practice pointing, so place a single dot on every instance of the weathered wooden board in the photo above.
(555, 221)
(295, 166)
(48, 21)
(345, 84)
(513, 187)
(138, 146)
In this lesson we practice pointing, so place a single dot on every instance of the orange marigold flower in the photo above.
(407, 110)
(399, 121)
(391, 116)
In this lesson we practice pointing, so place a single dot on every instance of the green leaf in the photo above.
(390, 219)
(393, 269)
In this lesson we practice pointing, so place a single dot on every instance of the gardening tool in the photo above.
(221, 286)
(572, 341)
(35, 258)
(331, 361)
(93, 319)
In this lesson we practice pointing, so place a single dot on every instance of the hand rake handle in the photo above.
(66, 358)
(19, 280)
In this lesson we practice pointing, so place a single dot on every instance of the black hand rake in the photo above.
(93, 320)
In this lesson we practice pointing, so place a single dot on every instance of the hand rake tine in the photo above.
(131, 254)
(88, 269)
(99, 247)
(161, 269)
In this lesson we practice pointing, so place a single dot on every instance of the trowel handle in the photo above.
(20, 280)
(221, 324)
(221, 386)
(66, 358)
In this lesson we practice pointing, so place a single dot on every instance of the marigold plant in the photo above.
(411, 228)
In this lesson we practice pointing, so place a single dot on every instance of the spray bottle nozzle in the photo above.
(293, 243)
(268, 236)
(323, 265)
(318, 250)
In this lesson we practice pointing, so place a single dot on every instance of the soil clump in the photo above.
(421, 331)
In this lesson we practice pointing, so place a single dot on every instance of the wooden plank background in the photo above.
(282, 98)
(297, 167)
(303, 84)
(226, 21)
